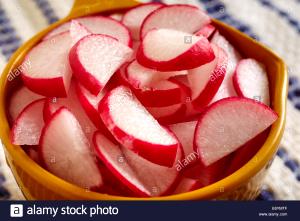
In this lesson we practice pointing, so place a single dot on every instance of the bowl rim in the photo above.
(229, 183)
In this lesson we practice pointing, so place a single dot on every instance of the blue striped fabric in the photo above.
(47, 10)
(289, 162)
(217, 10)
(284, 14)
(9, 41)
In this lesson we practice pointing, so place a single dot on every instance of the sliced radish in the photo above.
(34, 155)
(27, 127)
(66, 153)
(112, 185)
(134, 17)
(116, 16)
(206, 81)
(98, 25)
(142, 77)
(168, 114)
(140, 175)
(158, 179)
(20, 99)
(135, 128)
(50, 73)
(176, 17)
(206, 31)
(251, 80)
(73, 104)
(228, 124)
(95, 58)
(226, 89)
(165, 93)
(185, 133)
(90, 104)
(246, 152)
(186, 185)
(171, 50)
(78, 31)
(206, 175)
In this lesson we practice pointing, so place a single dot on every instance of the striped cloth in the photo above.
(275, 23)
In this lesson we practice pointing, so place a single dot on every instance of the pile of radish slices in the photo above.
(157, 103)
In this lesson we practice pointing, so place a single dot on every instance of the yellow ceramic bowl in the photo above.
(37, 183)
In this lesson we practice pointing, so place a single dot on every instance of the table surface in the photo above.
(276, 23)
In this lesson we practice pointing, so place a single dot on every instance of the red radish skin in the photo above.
(134, 127)
(63, 145)
(34, 154)
(206, 31)
(78, 31)
(213, 83)
(246, 152)
(186, 185)
(90, 104)
(226, 89)
(251, 80)
(98, 25)
(116, 16)
(176, 17)
(50, 73)
(140, 175)
(228, 124)
(145, 78)
(95, 58)
(134, 17)
(206, 175)
(177, 54)
(27, 127)
(166, 93)
(169, 114)
(112, 185)
(19, 100)
(73, 104)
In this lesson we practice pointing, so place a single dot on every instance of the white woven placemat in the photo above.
(276, 23)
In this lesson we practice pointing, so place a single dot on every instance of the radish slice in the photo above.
(206, 175)
(142, 77)
(186, 185)
(246, 152)
(206, 31)
(20, 99)
(135, 128)
(73, 104)
(206, 81)
(90, 104)
(34, 155)
(78, 31)
(134, 17)
(165, 93)
(141, 176)
(50, 73)
(27, 128)
(95, 58)
(185, 134)
(226, 89)
(116, 16)
(98, 25)
(168, 114)
(171, 50)
(228, 124)
(63, 147)
(176, 17)
(251, 80)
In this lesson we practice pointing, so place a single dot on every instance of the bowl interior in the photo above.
(248, 47)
